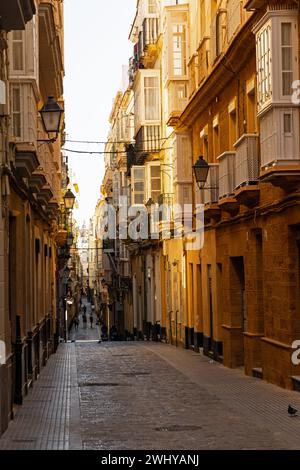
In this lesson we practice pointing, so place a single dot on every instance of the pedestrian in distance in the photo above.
(91, 320)
(84, 309)
(76, 321)
(84, 319)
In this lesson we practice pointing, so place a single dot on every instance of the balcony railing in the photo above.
(150, 31)
(226, 173)
(210, 193)
(147, 141)
(246, 160)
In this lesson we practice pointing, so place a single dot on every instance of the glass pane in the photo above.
(139, 173)
(18, 35)
(16, 100)
(287, 58)
(287, 123)
(155, 195)
(155, 184)
(286, 34)
(287, 79)
(17, 125)
(138, 198)
(155, 171)
(139, 186)
(18, 56)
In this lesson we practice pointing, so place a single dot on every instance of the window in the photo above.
(138, 185)
(151, 99)
(204, 141)
(232, 116)
(216, 138)
(287, 123)
(251, 107)
(287, 58)
(155, 182)
(264, 65)
(16, 111)
(146, 183)
(152, 7)
(18, 51)
(179, 50)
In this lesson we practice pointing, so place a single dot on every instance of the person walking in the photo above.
(84, 319)
(76, 321)
(91, 319)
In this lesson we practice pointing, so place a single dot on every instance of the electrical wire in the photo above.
(123, 152)
(112, 142)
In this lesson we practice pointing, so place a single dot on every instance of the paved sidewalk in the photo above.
(149, 396)
(49, 417)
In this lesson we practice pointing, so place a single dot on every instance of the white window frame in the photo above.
(168, 48)
(269, 67)
(22, 43)
(135, 180)
(14, 112)
(149, 190)
(140, 99)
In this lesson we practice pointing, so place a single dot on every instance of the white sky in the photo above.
(96, 47)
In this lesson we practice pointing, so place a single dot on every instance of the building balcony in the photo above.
(209, 195)
(286, 177)
(53, 207)
(227, 201)
(177, 100)
(26, 160)
(14, 14)
(247, 170)
(61, 238)
(147, 141)
(149, 47)
(45, 195)
(134, 66)
(50, 52)
(37, 180)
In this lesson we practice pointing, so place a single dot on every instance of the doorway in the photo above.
(239, 317)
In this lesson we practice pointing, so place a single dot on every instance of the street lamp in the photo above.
(69, 200)
(51, 114)
(201, 169)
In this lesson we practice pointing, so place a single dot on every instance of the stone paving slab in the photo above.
(112, 396)
(143, 402)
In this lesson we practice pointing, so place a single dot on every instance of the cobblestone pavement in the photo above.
(149, 396)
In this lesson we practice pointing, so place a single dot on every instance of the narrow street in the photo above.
(139, 395)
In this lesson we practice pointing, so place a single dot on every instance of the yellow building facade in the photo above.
(207, 82)
(32, 70)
